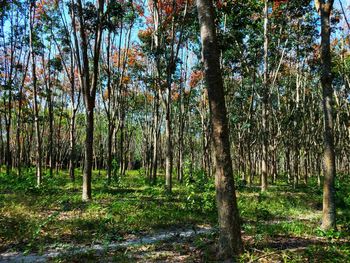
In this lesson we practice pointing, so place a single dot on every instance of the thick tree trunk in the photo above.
(230, 242)
(329, 213)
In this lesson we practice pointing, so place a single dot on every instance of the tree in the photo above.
(265, 105)
(324, 8)
(32, 39)
(90, 22)
(230, 243)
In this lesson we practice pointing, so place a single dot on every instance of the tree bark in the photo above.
(155, 139)
(72, 146)
(168, 142)
(265, 104)
(36, 108)
(230, 242)
(329, 170)
(88, 85)
(88, 152)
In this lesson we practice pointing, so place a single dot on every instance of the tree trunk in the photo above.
(51, 118)
(329, 213)
(265, 104)
(168, 140)
(121, 142)
(72, 146)
(88, 152)
(36, 109)
(2, 143)
(230, 242)
(18, 132)
(109, 151)
(155, 140)
(8, 133)
(88, 85)
(181, 138)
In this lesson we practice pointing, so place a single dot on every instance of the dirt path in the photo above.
(52, 253)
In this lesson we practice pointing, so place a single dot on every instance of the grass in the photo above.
(55, 213)
(281, 225)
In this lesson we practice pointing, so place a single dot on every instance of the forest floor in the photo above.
(132, 221)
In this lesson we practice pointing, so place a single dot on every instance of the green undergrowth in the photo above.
(33, 219)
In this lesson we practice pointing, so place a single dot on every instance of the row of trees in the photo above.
(117, 85)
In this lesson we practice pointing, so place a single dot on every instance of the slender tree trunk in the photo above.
(19, 121)
(36, 108)
(305, 168)
(329, 169)
(57, 157)
(168, 141)
(296, 168)
(288, 169)
(181, 138)
(230, 242)
(318, 170)
(265, 104)
(109, 152)
(155, 139)
(2, 143)
(18, 132)
(88, 85)
(88, 152)
(72, 152)
(110, 111)
(121, 143)
(51, 144)
(72, 146)
(8, 133)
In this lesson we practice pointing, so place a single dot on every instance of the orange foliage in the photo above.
(130, 58)
(105, 95)
(195, 78)
(175, 96)
(168, 9)
(43, 6)
(149, 97)
(134, 57)
(145, 33)
(125, 79)
(316, 52)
